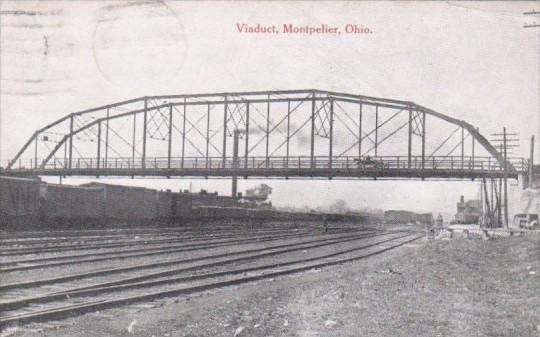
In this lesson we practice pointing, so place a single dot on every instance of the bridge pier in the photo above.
(234, 192)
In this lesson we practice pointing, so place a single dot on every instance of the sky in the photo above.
(471, 60)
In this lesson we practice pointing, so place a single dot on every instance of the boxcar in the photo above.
(19, 197)
(127, 202)
(73, 202)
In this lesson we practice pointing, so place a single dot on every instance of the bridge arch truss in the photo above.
(294, 133)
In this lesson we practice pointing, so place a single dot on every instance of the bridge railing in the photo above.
(291, 162)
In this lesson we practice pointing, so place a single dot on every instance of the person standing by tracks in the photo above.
(325, 223)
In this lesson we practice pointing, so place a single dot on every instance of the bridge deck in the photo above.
(279, 167)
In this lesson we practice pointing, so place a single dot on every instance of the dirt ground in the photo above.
(435, 288)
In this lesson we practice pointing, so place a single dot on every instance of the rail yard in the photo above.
(84, 273)
(225, 278)
(119, 260)
(73, 250)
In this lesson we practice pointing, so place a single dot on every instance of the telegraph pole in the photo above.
(531, 164)
(505, 181)
(534, 13)
(505, 144)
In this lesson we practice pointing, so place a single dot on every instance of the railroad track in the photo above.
(136, 242)
(261, 252)
(217, 271)
(29, 264)
(37, 235)
(50, 241)
(113, 232)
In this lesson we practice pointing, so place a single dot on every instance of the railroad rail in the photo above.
(75, 294)
(143, 252)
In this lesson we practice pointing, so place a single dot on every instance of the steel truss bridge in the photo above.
(283, 134)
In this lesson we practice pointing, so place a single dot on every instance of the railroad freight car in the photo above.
(220, 213)
(426, 218)
(213, 213)
(398, 217)
(213, 199)
(19, 198)
(59, 205)
(166, 205)
(127, 202)
(72, 202)
(406, 217)
(172, 205)
(261, 214)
